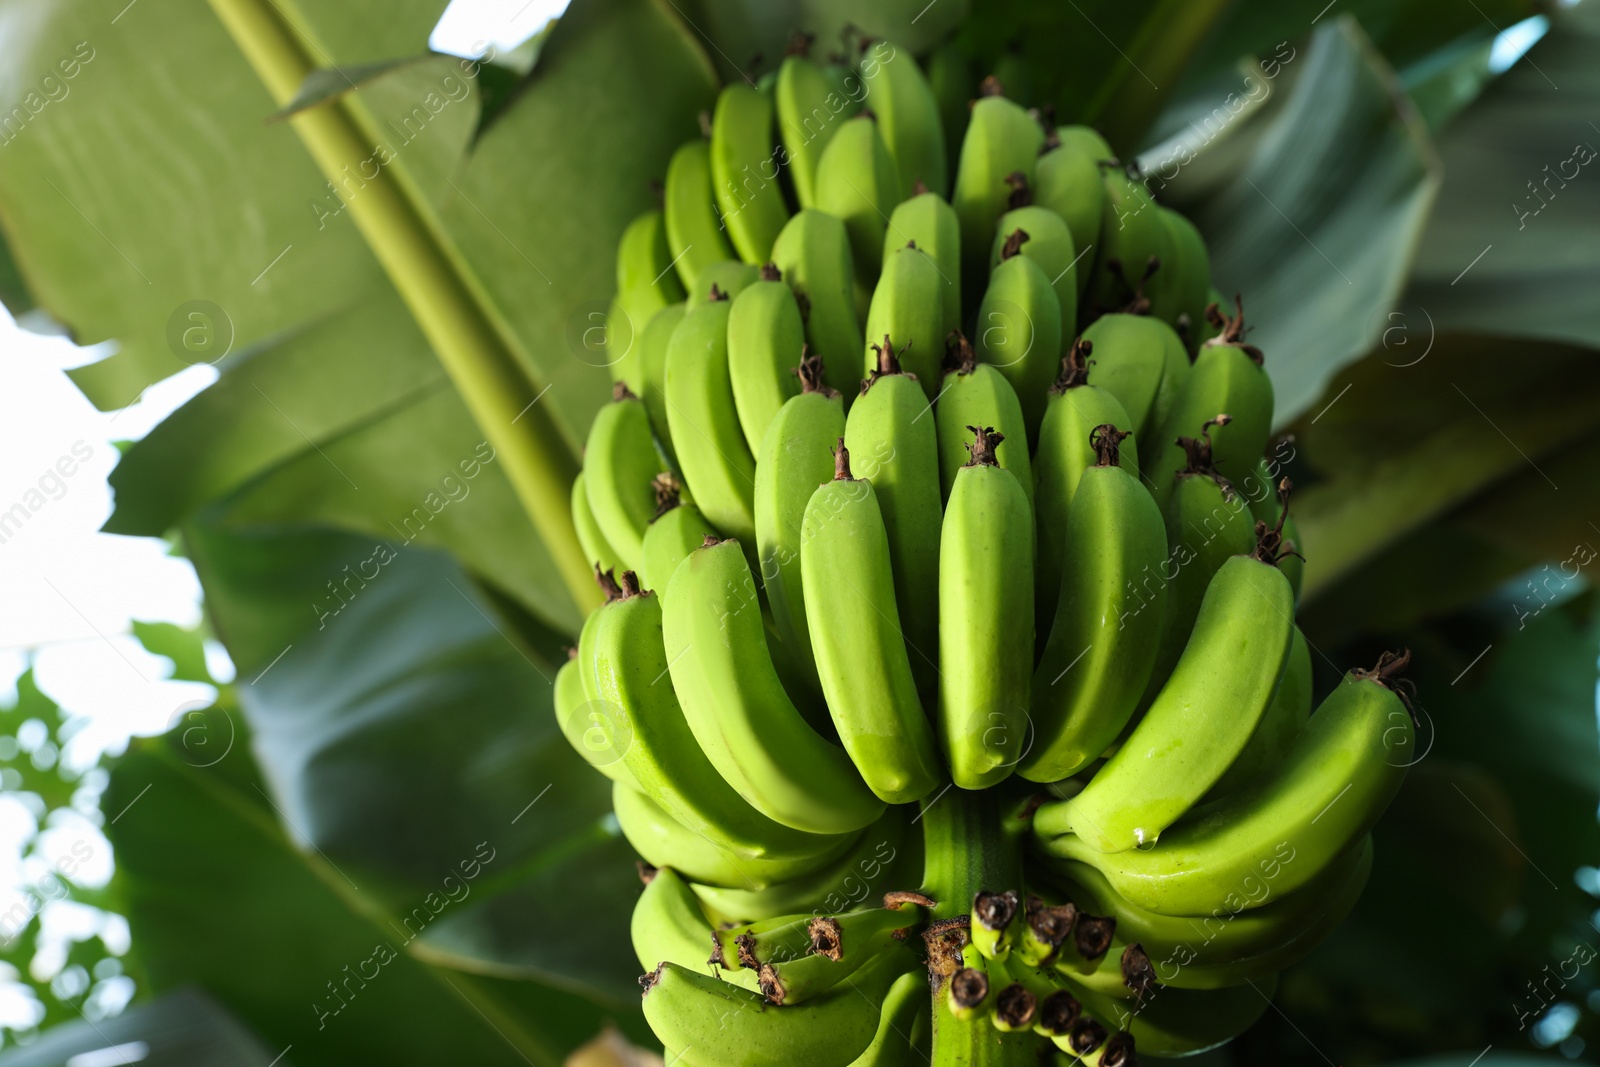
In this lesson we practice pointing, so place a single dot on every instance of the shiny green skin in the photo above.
(668, 926)
(807, 120)
(903, 1028)
(1200, 720)
(784, 943)
(1131, 231)
(596, 549)
(857, 182)
(860, 651)
(695, 236)
(765, 338)
(1261, 489)
(1129, 361)
(712, 455)
(1188, 288)
(668, 541)
(1275, 733)
(930, 222)
(894, 445)
(1174, 376)
(1205, 529)
(813, 252)
(1067, 180)
(589, 735)
(908, 117)
(653, 368)
(986, 628)
(1101, 647)
(1064, 453)
(622, 462)
(1001, 138)
(1018, 330)
(627, 655)
(730, 276)
(713, 1024)
(1049, 244)
(1223, 379)
(664, 842)
(1322, 797)
(982, 398)
(744, 171)
(796, 457)
(738, 709)
(907, 307)
(644, 286)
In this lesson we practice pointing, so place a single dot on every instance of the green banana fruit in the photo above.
(1134, 242)
(1188, 288)
(694, 232)
(857, 182)
(797, 958)
(646, 283)
(794, 461)
(730, 277)
(1067, 180)
(1101, 648)
(711, 448)
(908, 117)
(1200, 720)
(1001, 140)
(744, 171)
(813, 252)
(907, 312)
(1042, 236)
(1275, 733)
(976, 394)
(1281, 832)
(668, 926)
(677, 530)
(1019, 332)
(903, 1028)
(809, 109)
(736, 706)
(653, 342)
(986, 629)
(590, 537)
(582, 723)
(766, 341)
(1133, 355)
(928, 221)
(855, 633)
(622, 463)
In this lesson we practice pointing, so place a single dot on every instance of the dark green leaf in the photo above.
(185, 1028)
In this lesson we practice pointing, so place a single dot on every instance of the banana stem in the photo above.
(479, 350)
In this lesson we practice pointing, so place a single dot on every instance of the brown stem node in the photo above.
(841, 463)
(1233, 329)
(1013, 244)
(1106, 440)
(984, 442)
(1074, 366)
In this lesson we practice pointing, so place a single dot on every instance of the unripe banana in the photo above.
(622, 463)
(1275, 733)
(1323, 796)
(668, 926)
(1001, 140)
(1101, 646)
(894, 445)
(986, 629)
(677, 530)
(646, 283)
(810, 110)
(694, 232)
(1019, 332)
(1071, 414)
(653, 344)
(1042, 236)
(1045, 927)
(907, 312)
(711, 448)
(1067, 180)
(856, 635)
(795, 460)
(737, 707)
(1132, 358)
(595, 546)
(928, 221)
(908, 117)
(1188, 289)
(976, 394)
(730, 277)
(766, 340)
(902, 1037)
(1133, 242)
(857, 182)
(1200, 720)
(798, 958)
(1226, 376)
(588, 732)
(744, 171)
(664, 842)
(813, 252)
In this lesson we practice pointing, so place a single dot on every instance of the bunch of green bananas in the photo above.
(1040, 585)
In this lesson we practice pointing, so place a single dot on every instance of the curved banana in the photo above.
(1042, 236)
(1133, 359)
(668, 926)
(622, 463)
(1001, 140)
(976, 394)
(797, 958)
(652, 344)
(813, 252)
(855, 633)
(1067, 180)
(1275, 733)
(986, 632)
(1133, 242)
(1279, 834)
(1102, 643)
(809, 113)
(891, 436)
(795, 460)
(903, 1028)
(677, 530)
(711, 448)
(645, 285)
(857, 182)
(1019, 333)
(737, 707)
(1188, 290)
(730, 277)
(594, 543)
(907, 312)
(766, 341)
(1200, 720)
(695, 235)
(744, 171)
(928, 221)
(589, 733)
(908, 117)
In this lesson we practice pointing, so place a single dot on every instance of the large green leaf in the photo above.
(185, 1028)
